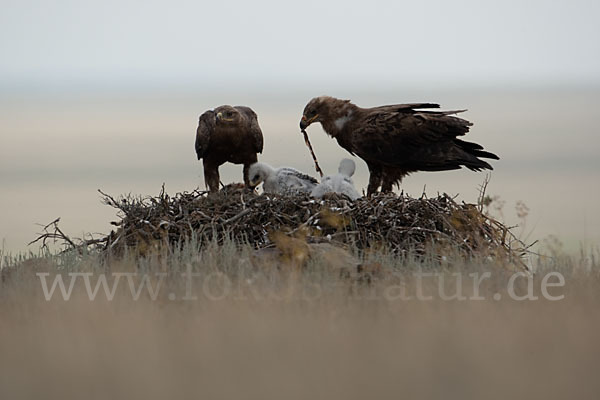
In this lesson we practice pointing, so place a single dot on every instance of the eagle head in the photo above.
(314, 111)
(258, 173)
(324, 109)
(227, 115)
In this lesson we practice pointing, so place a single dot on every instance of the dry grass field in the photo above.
(258, 327)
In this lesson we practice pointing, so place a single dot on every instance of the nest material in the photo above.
(394, 222)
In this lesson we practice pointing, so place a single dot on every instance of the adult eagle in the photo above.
(227, 134)
(396, 140)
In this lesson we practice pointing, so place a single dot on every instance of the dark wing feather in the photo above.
(206, 127)
(255, 132)
(417, 140)
(405, 107)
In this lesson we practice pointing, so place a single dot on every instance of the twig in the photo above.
(237, 216)
(312, 153)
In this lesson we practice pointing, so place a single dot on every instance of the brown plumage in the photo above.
(227, 134)
(396, 140)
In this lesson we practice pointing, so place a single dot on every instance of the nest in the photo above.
(397, 223)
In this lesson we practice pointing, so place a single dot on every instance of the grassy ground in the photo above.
(264, 326)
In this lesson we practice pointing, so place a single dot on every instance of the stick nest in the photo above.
(397, 223)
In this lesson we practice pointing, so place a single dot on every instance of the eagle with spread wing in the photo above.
(396, 140)
(227, 134)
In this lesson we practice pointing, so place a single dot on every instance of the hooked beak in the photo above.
(253, 185)
(220, 117)
(304, 122)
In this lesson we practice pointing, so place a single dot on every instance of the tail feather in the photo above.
(485, 154)
(475, 149)
(477, 165)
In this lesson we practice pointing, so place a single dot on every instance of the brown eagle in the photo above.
(227, 134)
(396, 140)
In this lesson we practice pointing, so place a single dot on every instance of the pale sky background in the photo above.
(106, 95)
(294, 43)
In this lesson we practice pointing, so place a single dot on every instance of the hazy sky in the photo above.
(273, 41)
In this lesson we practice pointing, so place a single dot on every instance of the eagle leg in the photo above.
(375, 179)
(211, 176)
(246, 177)
(391, 177)
(386, 187)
